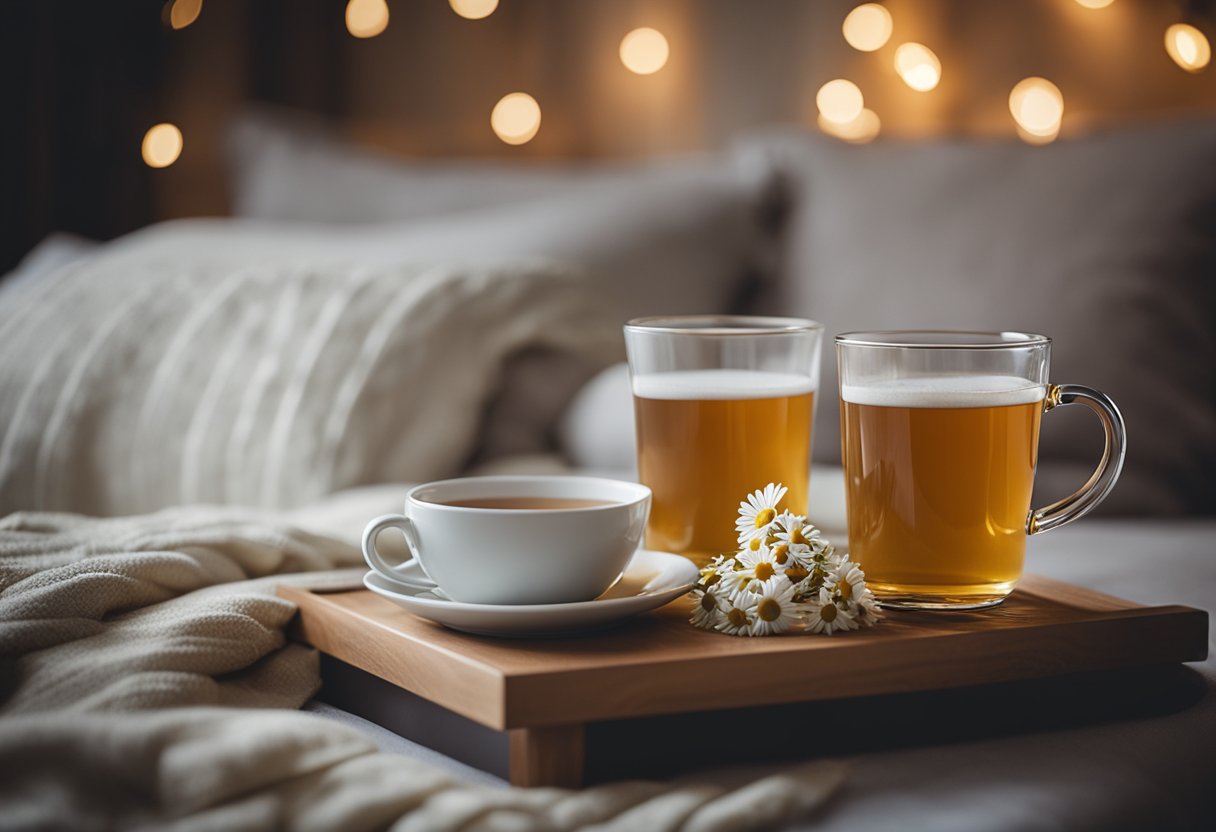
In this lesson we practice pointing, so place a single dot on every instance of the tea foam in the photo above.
(945, 391)
(720, 384)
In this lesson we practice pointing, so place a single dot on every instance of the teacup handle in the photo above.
(1104, 476)
(379, 564)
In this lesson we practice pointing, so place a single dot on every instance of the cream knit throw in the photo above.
(147, 684)
(131, 381)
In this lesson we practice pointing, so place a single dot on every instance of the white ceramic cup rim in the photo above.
(520, 486)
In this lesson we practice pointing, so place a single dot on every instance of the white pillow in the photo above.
(145, 378)
(597, 430)
(54, 250)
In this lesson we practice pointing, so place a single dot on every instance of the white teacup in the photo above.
(569, 542)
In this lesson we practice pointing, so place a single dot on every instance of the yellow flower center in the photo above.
(710, 579)
(796, 536)
(781, 553)
(764, 517)
(764, 570)
(796, 574)
(768, 609)
(846, 590)
(708, 603)
(736, 617)
(828, 612)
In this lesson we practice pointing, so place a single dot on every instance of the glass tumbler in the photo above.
(724, 405)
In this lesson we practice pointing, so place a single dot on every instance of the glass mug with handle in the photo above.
(939, 434)
(724, 405)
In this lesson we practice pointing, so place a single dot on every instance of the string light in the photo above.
(181, 13)
(860, 130)
(1095, 4)
(839, 101)
(162, 145)
(1188, 47)
(473, 9)
(644, 51)
(516, 118)
(366, 18)
(1037, 106)
(867, 27)
(918, 66)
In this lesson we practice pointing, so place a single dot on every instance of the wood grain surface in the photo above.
(659, 664)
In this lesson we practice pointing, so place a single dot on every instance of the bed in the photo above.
(196, 410)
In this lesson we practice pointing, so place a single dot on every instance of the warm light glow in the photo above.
(516, 118)
(1095, 4)
(1188, 47)
(473, 9)
(860, 130)
(184, 12)
(366, 18)
(1038, 108)
(162, 145)
(644, 51)
(867, 27)
(839, 101)
(918, 66)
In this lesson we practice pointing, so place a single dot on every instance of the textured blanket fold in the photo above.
(148, 683)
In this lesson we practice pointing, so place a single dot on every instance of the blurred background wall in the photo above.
(85, 80)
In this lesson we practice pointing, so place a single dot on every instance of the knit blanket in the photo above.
(147, 683)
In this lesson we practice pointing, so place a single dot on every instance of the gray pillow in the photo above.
(288, 165)
(675, 235)
(1105, 243)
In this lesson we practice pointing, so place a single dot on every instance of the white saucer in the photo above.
(651, 579)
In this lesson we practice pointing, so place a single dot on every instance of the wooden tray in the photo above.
(542, 692)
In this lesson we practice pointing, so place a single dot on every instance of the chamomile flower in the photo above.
(796, 573)
(738, 616)
(845, 580)
(825, 616)
(867, 613)
(775, 609)
(847, 584)
(706, 610)
(713, 571)
(758, 512)
(793, 529)
(762, 562)
(739, 582)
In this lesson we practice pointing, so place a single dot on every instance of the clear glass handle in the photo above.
(1103, 478)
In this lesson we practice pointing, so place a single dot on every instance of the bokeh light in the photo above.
(644, 51)
(162, 145)
(184, 12)
(860, 130)
(1037, 106)
(516, 118)
(1188, 46)
(867, 27)
(366, 18)
(1095, 4)
(473, 9)
(918, 66)
(839, 101)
